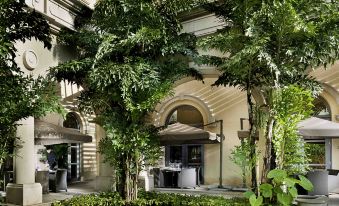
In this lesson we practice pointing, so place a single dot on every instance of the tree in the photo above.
(269, 45)
(130, 54)
(21, 96)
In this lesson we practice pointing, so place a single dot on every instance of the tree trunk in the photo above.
(127, 181)
(130, 179)
(120, 177)
(252, 131)
(269, 159)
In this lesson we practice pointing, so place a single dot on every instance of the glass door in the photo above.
(74, 162)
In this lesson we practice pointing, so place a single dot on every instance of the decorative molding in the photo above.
(59, 13)
(203, 25)
(30, 59)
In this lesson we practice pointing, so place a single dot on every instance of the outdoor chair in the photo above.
(42, 177)
(187, 178)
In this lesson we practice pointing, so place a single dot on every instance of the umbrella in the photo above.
(46, 134)
(316, 127)
(184, 134)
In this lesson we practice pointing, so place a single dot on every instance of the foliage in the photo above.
(21, 95)
(291, 105)
(271, 44)
(151, 198)
(315, 152)
(240, 155)
(282, 189)
(130, 54)
(61, 153)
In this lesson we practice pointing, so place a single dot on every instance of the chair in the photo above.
(187, 178)
(42, 177)
(158, 177)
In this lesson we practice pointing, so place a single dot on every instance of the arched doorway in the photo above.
(74, 149)
(188, 155)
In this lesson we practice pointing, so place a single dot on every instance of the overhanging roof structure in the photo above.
(47, 134)
(184, 134)
(315, 127)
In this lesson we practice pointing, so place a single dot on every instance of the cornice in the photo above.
(59, 13)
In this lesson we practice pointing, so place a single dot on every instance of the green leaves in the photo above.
(284, 199)
(254, 201)
(266, 190)
(305, 183)
(248, 194)
(282, 189)
(293, 192)
(130, 54)
(277, 174)
(291, 104)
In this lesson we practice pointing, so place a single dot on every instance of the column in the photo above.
(25, 191)
(105, 179)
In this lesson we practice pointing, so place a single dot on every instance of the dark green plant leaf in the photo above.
(284, 199)
(305, 183)
(254, 201)
(248, 194)
(266, 190)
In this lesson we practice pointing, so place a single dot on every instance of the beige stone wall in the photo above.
(89, 155)
(40, 58)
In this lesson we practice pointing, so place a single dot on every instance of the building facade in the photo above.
(193, 102)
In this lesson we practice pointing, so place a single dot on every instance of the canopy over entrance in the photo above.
(184, 134)
(314, 128)
(47, 134)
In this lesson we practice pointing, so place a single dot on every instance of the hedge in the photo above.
(151, 199)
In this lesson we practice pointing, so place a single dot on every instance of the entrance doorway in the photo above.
(74, 149)
(189, 155)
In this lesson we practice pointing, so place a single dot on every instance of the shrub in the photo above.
(151, 198)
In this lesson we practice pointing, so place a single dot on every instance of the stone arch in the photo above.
(167, 107)
(83, 122)
(330, 99)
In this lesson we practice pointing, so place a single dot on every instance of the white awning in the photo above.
(315, 127)
(47, 134)
(184, 134)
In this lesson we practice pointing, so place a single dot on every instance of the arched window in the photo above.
(322, 109)
(72, 121)
(185, 114)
